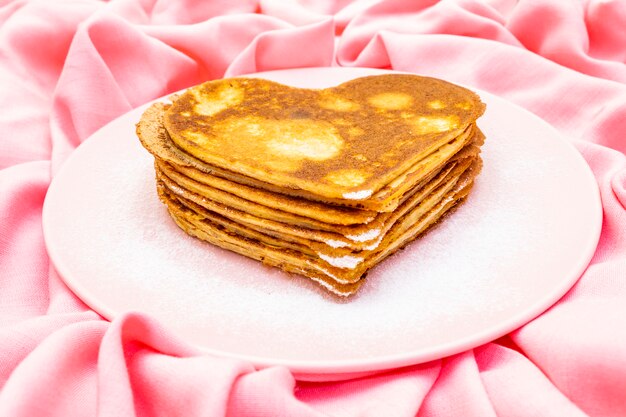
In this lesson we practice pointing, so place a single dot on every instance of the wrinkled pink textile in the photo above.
(69, 67)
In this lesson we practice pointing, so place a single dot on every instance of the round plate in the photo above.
(522, 239)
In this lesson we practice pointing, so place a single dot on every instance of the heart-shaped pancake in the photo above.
(345, 142)
(322, 183)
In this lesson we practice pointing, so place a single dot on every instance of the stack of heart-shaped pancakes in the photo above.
(322, 183)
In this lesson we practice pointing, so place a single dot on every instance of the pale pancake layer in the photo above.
(343, 267)
(233, 236)
(296, 211)
(330, 240)
(254, 249)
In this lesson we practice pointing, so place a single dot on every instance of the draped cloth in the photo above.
(70, 66)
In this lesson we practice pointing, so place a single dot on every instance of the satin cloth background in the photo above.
(69, 67)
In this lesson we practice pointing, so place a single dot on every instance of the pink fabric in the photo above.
(68, 67)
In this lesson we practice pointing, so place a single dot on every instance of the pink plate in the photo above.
(518, 244)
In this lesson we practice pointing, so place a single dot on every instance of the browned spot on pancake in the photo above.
(331, 101)
(423, 125)
(391, 101)
(219, 99)
(276, 144)
(347, 177)
(436, 104)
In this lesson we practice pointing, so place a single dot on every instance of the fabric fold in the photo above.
(69, 69)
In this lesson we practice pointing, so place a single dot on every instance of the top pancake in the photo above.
(345, 142)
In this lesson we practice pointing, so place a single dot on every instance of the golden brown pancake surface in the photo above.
(342, 142)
